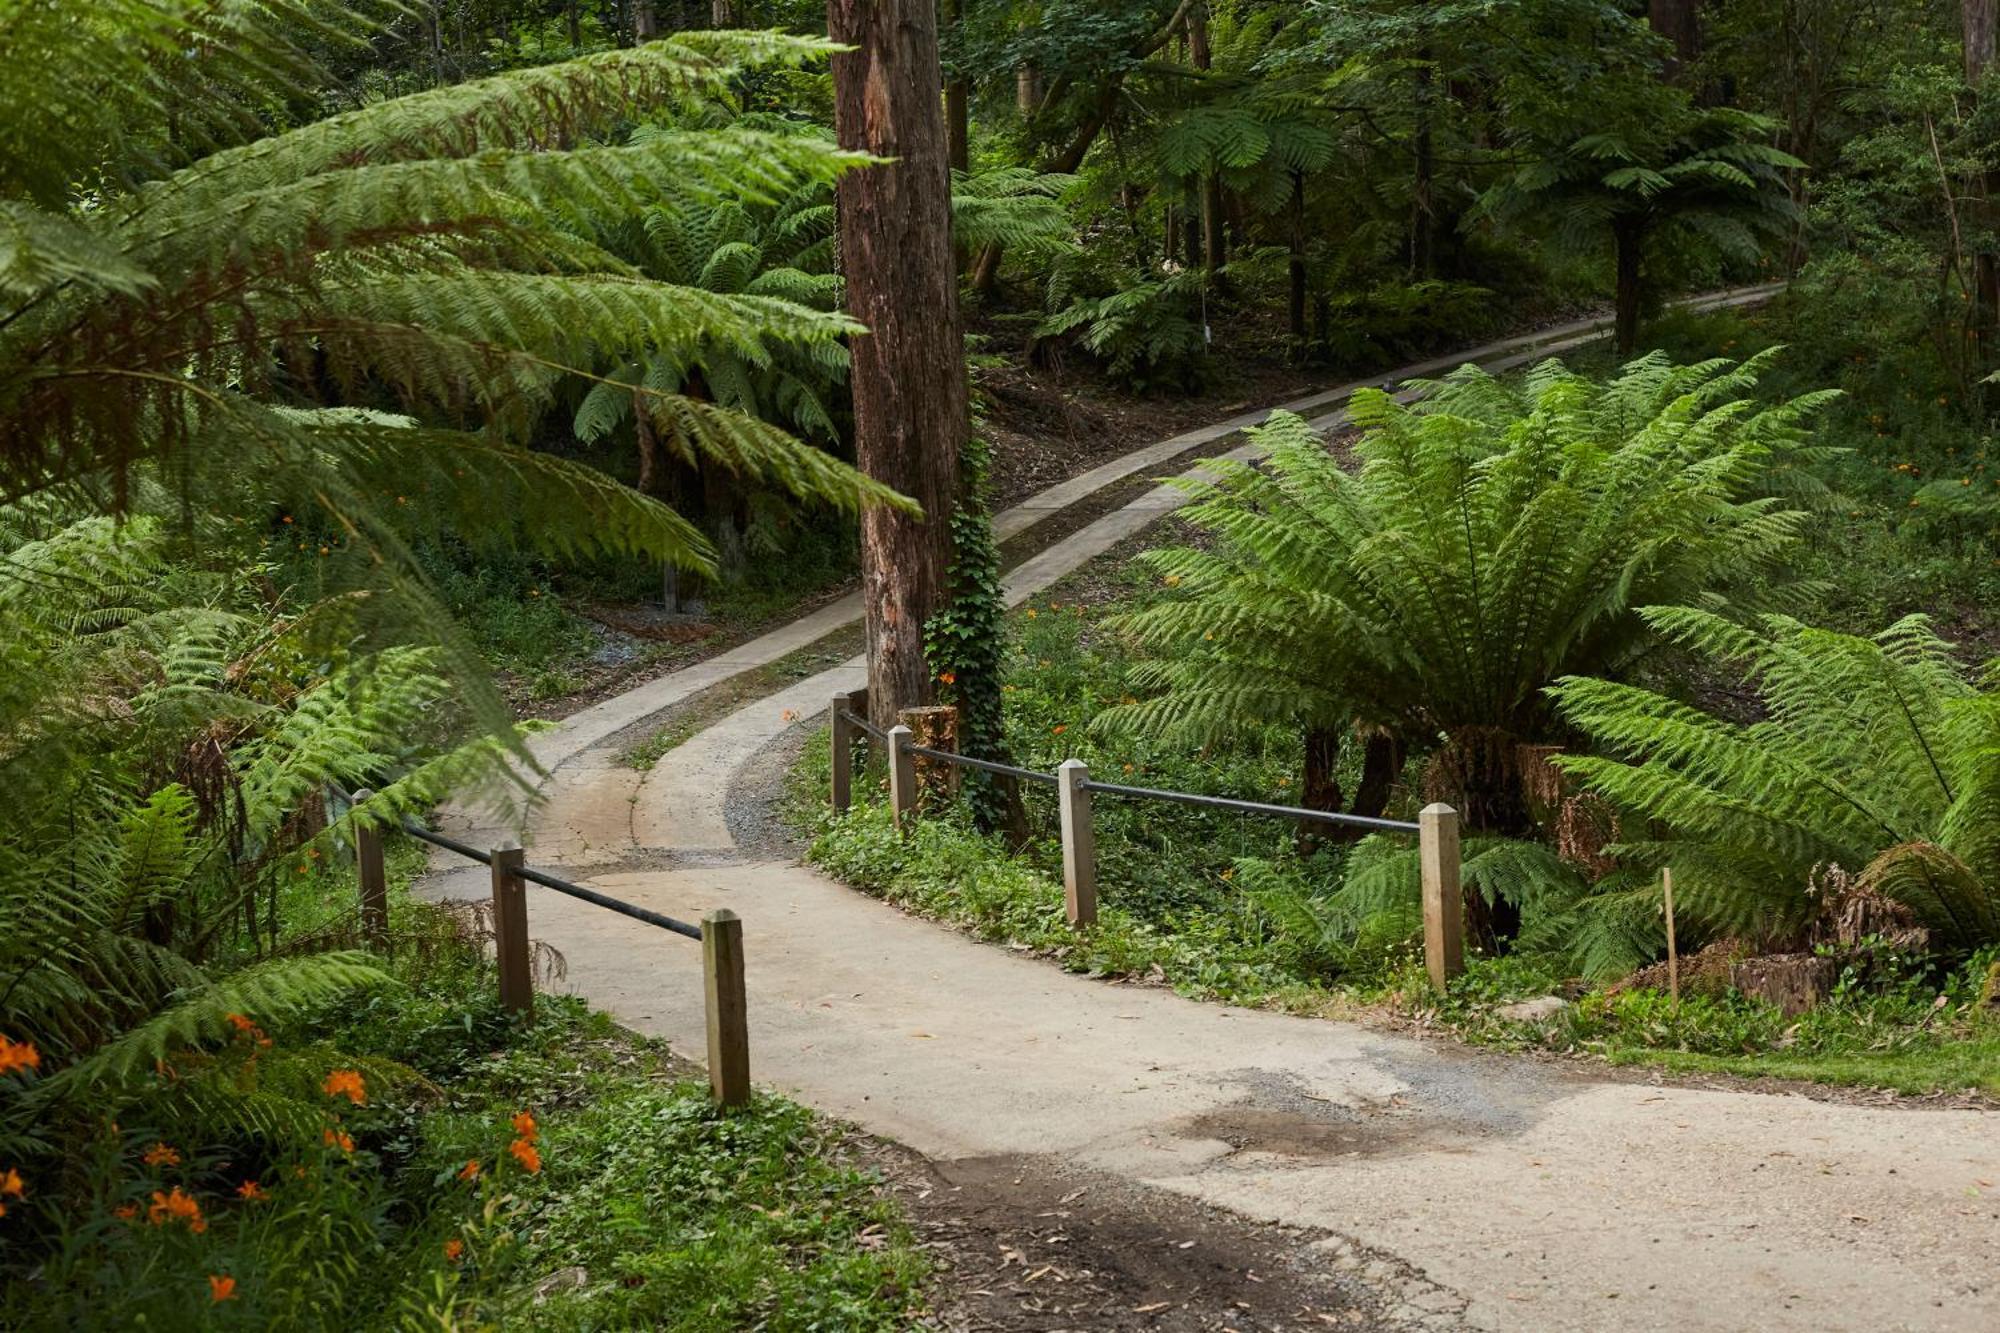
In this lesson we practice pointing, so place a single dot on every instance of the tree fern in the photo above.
(1877, 755)
(1496, 536)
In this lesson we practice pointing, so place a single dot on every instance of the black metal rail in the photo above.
(864, 724)
(985, 765)
(1253, 807)
(544, 878)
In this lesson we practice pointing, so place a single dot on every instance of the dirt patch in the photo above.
(1026, 1244)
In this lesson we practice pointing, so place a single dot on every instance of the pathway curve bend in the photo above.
(1532, 1196)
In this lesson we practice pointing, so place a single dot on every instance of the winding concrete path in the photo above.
(1529, 1197)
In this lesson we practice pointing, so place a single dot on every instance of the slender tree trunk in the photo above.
(1214, 245)
(1423, 214)
(722, 14)
(645, 21)
(573, 15)
(1979, 22)
(1295, 306)
(1027, 90)
(957, 96)
(1629, 236)
(910, 406)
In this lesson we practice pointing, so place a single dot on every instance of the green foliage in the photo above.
(1149, 333)
(1877, 756)
(680, 1216)
(966, 642)
(1496, 536)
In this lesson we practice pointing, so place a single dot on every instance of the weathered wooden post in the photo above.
(902, 775)
(935, 727)
(728, 1008)
(843, 751)
(510, 931)
(374, 877)
(1444, 898)
(1079, 842)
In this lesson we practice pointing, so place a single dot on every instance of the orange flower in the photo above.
(251, 1192)
(948, 677)
(176, 1206)
(346, 1083)
(18, 1055)
(221, 1287)
(161, 1155)
(338, 1138)
(470, 1171)
(526, 1154)
(524, 1125)
(10, 1182)
(241, 1022)
(453, 1248)
(1059, 728)
(125, 1212)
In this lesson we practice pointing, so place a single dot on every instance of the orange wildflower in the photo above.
(18, 1055)
(241, 1022)
(221, 1287)
(10, 1182)
(948, 677)
(453, 1248)
(125, 1212)
(346, 1083)
(524, 1125)
(251, 1192)
(1059, 728)
(470, 1171)
(175, 1205)
(338, 1138)
(526, 1154)
(161, 1155)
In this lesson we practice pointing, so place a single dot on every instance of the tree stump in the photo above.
(934, 727)
(1795, 982)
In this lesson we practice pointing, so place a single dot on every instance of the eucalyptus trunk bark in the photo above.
(908, 374)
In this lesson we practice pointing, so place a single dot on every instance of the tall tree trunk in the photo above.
(1295, 305)
(722, 14)
(1319, 787)
(645, 21)
(1628, 235)
(573, 14)
(1677, 21)
(1214, 247)
(1979, 18)
(957, 100)
(1423, 213)
(908, 375)
(1027, 89)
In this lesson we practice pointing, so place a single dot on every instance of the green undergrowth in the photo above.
(484, 1172)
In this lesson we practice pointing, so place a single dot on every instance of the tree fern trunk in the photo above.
(910, 408)
(1629, 236)
(1295, 306)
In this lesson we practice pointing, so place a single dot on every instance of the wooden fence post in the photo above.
(728, 1008)
(510, 931)
(1444, 899)
(902, 775)
(1079, 842)
(374, 877)
(843, 753)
